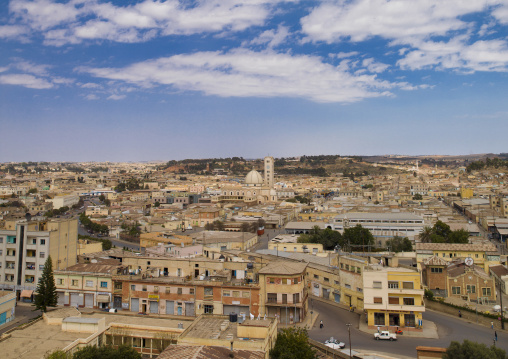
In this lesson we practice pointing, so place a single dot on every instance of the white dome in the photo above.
(253, 178)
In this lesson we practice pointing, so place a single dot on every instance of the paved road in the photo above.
(449, 329)
(263, 239)
(24, 313)
(116, 242)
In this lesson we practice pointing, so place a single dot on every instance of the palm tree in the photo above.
(425, 236)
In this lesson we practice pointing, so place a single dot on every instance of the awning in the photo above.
(102, 298)
(26, 293)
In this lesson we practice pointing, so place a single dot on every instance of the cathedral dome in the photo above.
(254, 178)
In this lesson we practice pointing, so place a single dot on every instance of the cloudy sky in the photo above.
(156, 80)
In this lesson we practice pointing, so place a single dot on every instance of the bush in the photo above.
(429, 294)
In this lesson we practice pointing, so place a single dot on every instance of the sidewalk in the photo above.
(429, 329)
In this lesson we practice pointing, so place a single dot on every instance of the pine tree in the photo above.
(46, 289)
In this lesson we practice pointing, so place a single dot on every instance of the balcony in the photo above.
(30, 266)
(29, 279)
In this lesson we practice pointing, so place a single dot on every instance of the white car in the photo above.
(385, 335)
(334, 343)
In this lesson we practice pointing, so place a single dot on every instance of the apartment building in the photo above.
(25, 246)
(283, 291)
(393, 297)
(7, 305)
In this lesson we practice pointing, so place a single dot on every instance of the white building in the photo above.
(64, 201)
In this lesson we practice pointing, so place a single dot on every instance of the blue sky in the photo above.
(93, 80)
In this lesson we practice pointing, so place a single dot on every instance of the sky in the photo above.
(99, 80)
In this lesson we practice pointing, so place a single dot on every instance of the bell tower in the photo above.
(269, 171)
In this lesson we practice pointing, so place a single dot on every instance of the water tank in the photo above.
(233, 317)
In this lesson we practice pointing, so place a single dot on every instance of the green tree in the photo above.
(399, 244)
(458, 236)
(473, 350)
(102, 198)
(417, 197)
(292, 343)
(218, 225)
(327, 237)
(107, 352)
(32, 190)
(46, 289)
(426, 234)
(57, 354)
(245, 227)
(357, 236)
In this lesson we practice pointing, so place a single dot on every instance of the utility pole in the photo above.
(349, 332)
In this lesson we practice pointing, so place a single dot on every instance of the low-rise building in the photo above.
(7, 306)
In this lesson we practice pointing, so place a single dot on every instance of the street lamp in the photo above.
(349, 333)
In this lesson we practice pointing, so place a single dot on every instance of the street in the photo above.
(24, 312)
(116, 242)
(449, 329)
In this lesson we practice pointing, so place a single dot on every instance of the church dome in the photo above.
(254, 178)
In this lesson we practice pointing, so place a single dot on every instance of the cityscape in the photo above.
(252, 179)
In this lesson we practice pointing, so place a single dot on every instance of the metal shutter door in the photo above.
(228, 309)
(75, 300)
(189, 309)
(170, 307)
(89, 300)
(135, 305)
(61, 298)
(154, 307)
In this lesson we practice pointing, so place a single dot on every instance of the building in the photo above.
(25, 246)
(7, 306)
(283, 291)
(382, 225)
(225, 240)
(393, 297)
(64, 201)
(86, 285)
(484, 255)
(470, 282)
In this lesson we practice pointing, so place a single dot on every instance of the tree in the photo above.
(358, 236)
(417, 197)
(32, 190)
(473, 350)
(292, 343)
(57, 354)
(399, 244)
(218, 225)
(46, 289)
(245, 227)
(327, 237)
(107, 352)
(458, 236)
(102, 198)
(425, 235)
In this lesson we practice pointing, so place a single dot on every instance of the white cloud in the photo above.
(7, 31)
(359, 20)
(116, 97)
(501, 13)
(92, 97)
(245, 73)
(90, 85)
(30, 67)
(75, 21)
(3, 69)
(272, 38)
(25, 80)
(343, 55)
(374, 66)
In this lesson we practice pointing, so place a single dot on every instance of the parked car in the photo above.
(334, 343)
(385, 335)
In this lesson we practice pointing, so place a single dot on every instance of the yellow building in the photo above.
(484, 255)
(282, 291)
(466, 193)
(393, 297)
(313, 248)
(86, 246)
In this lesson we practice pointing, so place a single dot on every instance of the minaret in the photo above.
(269, 171)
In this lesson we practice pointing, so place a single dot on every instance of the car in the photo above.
(385, 335)
(334, 343)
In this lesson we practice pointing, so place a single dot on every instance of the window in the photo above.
(347, 266)
(41, 255)
(144, 288)
(41, 266)
(246, 294)
(378, 300)
(147, 263)
(1, 240)
(168, 290)
(377, 285)
(408, 285)
(89, 283)
(59, 281)
(436, 270)
(208, 291)
(348, 286)
(32, 241)
(393, 285)
(74, 282)
(296, 298)
(455, 290)
(486, 292)
(271, 280)
(342, 266)
(471, 288)
(156, 289)
(236, 294)
(358, 289)
(476, 255)
(179, 291)
(11, 240)
(358, 270)
(208, 309)
(43, 242)
(272, 298)
(326, 279)
(133, 287)
(316, 276)
(336, 282)
(118, 285)
(393, 300)
(409, 301)
(104, 284)
(191, 291)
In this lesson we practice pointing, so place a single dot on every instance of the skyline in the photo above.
(90, 80)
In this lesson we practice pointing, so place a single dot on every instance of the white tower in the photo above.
(269, 171)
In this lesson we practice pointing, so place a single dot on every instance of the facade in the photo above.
(269, 168)
(382, 225)
(7, 306)
(25, 246)
(313, 248)
(86, 285)
(434, 275)
(283, 291)
(351, 281)
(470, 283)
(393, 297)
(64, 201)
(484, 255)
